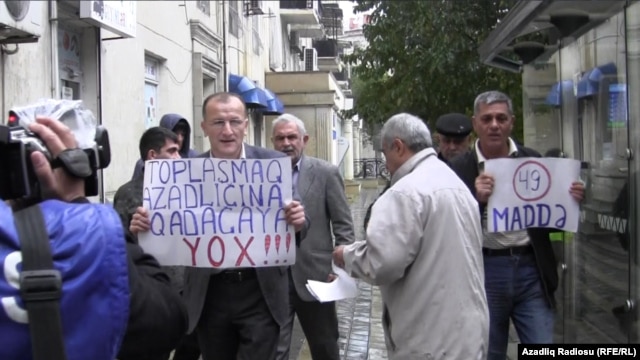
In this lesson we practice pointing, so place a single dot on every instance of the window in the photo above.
(69, 50)
(234, 19)
(257, 44)
(150, 92)
(205, 7)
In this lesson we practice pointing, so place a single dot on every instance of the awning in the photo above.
(252, 95)
(274, 105)
(552, 18)
(558, 91)
(590, 82)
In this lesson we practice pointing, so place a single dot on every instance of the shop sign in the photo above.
(118, 17)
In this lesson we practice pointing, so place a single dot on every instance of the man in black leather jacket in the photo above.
(520, 267)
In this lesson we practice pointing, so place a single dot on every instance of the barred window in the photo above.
(234, 18)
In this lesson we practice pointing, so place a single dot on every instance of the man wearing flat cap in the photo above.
(453, 135)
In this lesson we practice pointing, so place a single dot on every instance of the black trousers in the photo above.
(319, 322)
(188, 349)
(236, 323)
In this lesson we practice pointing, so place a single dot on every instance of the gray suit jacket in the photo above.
(274, 283)
(322, 191)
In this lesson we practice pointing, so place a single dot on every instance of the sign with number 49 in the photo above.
(532, 192)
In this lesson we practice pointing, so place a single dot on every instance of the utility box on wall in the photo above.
(21, 21)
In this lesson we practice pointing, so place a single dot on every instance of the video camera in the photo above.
(17, 177)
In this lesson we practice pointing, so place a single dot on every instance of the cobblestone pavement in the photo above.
(359, 319)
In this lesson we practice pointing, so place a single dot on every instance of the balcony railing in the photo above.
(332, 17)
(370, 168)
(302, 5)
(326, 48)
(341, 75)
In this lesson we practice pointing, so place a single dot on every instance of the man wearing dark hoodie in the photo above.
(180, 126)
(129, 197)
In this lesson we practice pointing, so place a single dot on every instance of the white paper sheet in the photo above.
(343, 287)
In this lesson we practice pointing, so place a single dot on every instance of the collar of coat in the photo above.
(411, 164)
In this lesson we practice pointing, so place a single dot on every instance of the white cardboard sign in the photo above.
(532, 192)
(217, 213)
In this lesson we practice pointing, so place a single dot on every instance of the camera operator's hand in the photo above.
(56, 184)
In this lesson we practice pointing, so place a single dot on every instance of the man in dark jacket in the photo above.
(157, 314)
(156, 143)
(180, 126)
(453, 135)
(520, 268)
(237, 313)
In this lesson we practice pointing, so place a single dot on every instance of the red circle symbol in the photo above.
(528, 168)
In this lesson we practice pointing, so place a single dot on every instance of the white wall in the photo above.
(162, 33)
(26, 75)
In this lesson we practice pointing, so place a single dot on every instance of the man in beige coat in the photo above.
(424, 250)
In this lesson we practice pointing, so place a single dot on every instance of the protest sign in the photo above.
(217, 213)
(532, 192)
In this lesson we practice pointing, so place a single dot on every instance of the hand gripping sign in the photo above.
(532, 192)
(218, 213)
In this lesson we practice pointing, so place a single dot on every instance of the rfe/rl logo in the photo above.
(12, 276)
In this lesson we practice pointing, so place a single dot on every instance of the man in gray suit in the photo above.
(237, 313)
(321, 189)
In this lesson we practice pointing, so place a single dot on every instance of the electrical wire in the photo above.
(164, 37)
(173, 77)
(171, 74)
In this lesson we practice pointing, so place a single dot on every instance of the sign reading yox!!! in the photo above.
(218, 213)
(532, 192)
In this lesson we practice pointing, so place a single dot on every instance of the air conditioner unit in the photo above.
(253, 7)
(20, 21)
(310, 59)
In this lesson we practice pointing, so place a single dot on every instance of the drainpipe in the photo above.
(98, 40)
(55, 76)
(3, 73)
(225, 77)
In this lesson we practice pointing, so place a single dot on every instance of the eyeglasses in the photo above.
(219, 124)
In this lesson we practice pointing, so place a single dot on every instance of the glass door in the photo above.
(630, 315)
(598, 269)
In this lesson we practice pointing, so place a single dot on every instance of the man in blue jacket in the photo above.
(116, 302)
(180, 126)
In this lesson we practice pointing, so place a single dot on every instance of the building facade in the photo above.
(130, 62)
(579, 80)
(368, 157)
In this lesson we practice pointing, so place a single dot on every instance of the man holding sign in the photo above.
(155, 143)
(236, 313)
(520, 269)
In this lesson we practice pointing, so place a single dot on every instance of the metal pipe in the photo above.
(55, 72)
(4, 113)
(224, 47)
(98, 40)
